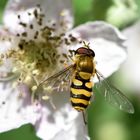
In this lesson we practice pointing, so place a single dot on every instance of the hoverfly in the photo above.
(78, 76)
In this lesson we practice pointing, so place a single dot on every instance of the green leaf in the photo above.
(25, 132)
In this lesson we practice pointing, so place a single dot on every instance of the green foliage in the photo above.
(2, 6)
(123, 13)
(82, 11)
(120, 13)
(100, 8)
(26, 132)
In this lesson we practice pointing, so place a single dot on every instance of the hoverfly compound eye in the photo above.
(85, 51)
(92, 52)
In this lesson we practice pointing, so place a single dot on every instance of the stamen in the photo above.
(18, 16)
(36, 35)
(3, 102)
(31, 26)
(23, 24)
(18, 35)
(36, 13)
(8, 77)
(66, 41)
(29, 14)
(24, 34)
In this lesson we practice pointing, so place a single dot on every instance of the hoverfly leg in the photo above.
(72, 53)
(65, 64)
(84, 118)
(99, 78)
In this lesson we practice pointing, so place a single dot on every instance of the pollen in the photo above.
(63, 13)
(45, 97)
(34, 88)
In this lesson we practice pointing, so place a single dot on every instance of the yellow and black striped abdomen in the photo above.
(81, 91)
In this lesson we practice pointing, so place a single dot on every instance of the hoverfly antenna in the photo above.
(86, 44)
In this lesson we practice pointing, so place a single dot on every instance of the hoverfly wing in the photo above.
(113, 95)
(59, 81)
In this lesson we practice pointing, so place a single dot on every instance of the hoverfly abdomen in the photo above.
(81, 91)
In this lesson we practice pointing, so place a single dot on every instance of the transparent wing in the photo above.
(113, 95)
(59, 81)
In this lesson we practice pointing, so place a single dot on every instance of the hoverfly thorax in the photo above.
(84, 59)
(85, 64)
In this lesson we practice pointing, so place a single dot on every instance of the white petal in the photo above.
(4, 46)
(13, 114)
(61, 122)
(108, 56)
(5, 39)
(14, 26)
(132, 66)
(56, 11)
(99, 29)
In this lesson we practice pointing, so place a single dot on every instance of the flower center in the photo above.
(37, 51)
(37, 48)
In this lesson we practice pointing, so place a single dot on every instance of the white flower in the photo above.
(36, 39)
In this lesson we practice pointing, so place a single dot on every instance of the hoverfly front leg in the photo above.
(72, 54)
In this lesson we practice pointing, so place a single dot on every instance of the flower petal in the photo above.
(13, 115)
(99, 29)
(59, 12)
(63, 121)
(5, 45)
(108, 56)
(106, 41)
(5, 39)
(132, 66)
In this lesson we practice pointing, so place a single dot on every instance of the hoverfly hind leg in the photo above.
(84, 117)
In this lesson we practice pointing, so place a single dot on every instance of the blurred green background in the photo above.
(105, 122)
